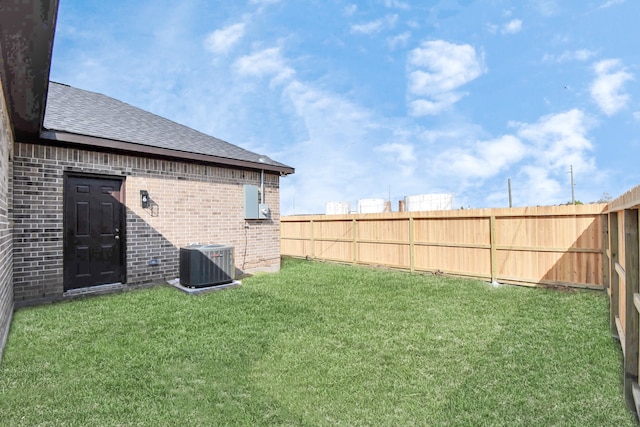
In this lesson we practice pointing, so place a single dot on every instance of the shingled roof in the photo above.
(83, 117)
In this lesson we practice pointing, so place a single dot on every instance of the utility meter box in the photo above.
(263, 211)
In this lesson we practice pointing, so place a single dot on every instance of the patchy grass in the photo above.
(317, 344)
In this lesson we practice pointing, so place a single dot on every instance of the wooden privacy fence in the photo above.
(623, 262)
(554, 245)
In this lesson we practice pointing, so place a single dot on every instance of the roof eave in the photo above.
(128, 147)
(27, 29)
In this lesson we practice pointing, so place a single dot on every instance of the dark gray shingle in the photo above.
(81, 112)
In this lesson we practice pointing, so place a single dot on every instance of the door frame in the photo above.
(123, 232)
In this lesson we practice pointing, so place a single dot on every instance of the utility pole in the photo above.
(509, 185)
(573, 195)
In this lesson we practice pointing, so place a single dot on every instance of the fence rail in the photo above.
(555, 245)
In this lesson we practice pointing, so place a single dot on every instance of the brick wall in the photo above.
(191, 203)
(6, 273)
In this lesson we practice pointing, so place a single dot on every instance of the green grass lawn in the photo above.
(318, 344)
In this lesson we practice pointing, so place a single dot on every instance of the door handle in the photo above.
(117, 237)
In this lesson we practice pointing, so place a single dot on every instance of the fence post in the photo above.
(492, 242)
(412, 254)
(604, 220)
(614, 301)
(632, 304)
(354, 233)
(312, 248)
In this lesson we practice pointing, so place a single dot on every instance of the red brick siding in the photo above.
(192, 203)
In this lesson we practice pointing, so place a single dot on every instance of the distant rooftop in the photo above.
(72, 114)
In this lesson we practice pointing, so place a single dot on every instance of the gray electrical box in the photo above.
(251, 208)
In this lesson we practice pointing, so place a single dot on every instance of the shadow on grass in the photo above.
(552, 359)
(150, 357)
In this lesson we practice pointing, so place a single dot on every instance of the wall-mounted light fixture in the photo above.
(144, 199)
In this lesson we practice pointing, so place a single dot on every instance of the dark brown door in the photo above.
(93, 232)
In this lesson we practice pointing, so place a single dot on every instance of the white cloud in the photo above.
(398, 40)
(539, 187)
(222, 40)
(265, 63)
(369, 27)
(570, 55)
(512, 27)
(333, 154)
(431, 136)
(636, 115)
(351, 9)
(423, 107)
(396, 4)
(448, 66)
(492, 28)
(606, 89)
(583, 54)
(376, 26)
(401, 152)
(547, 7)
(559, 140)
(540, 155)
(437, 69)
(610, 3)
(482, 160)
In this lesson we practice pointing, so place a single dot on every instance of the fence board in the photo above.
(296, 230)
(384, 254)
(622, 290)
(333, 230)
(632, 282)
(466, 231)
(614, 287)
(474, 262)
(300, 247)
(333, 250)
(386, 230)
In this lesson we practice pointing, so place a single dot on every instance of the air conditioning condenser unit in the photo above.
(206, 265)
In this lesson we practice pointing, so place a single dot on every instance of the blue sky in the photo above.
(383, 98)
